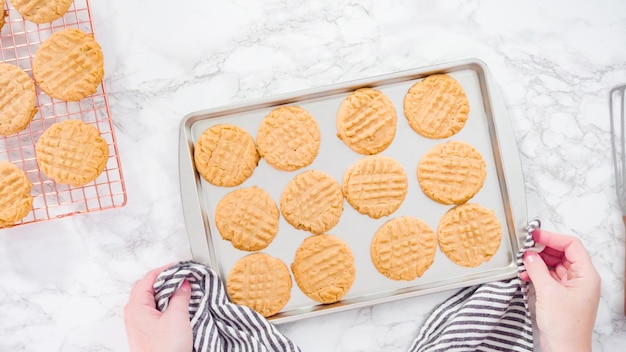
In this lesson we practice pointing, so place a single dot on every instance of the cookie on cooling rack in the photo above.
(38, 11)
(324, 268)
(225, 155)
(469, 234)
(17, 101)
(69, 65)
(366, 121)
(312, 201)
(260, 282)
(437, 106)
(72, 152)
(375, 185)
(248, 218)
(288, 138)
(452, 172)
(15, 198)
(403, 248)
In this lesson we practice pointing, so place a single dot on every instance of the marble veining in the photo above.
(64, 282)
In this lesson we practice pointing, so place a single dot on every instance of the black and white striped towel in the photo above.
(488, 317)
(218, 324)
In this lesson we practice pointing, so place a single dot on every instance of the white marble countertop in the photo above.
(64, 282)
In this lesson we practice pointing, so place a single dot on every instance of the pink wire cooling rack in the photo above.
(19, 40)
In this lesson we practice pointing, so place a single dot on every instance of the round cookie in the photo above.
(469, 234)
(403, 248)
(38, 11)
(312, 201)
(366, 121)
(324, 268)
(260, 282)
(69, 65)
(17, 101)
(288, 138)
(72, 152)
(248, 218)
(437, 106)
(225, 155)
(15, 198)
(451, 172)
(375, 185)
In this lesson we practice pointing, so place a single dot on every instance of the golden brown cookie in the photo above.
(72, 152)
(375, 185)
(248, 217)
(288, 138)
(451, 172)
(69, 65)
(403, 248)
(469, 234)
(15, 198)
(366, 121)
(17, 99)
(260, 282)
(436, 106)
(225, 155)
(38, 11)
(324, 268)
(312, 201)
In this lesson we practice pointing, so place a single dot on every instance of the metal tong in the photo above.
(618, 142)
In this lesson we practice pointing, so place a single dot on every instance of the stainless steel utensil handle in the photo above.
(624, 219)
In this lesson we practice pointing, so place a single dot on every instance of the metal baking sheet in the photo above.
(487, 129)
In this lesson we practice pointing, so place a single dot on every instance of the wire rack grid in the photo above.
(19, 40)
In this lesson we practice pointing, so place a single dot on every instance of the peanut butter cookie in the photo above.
(17, 99)
(437, 106)
(469, 234)
(260, 282)
(403, 248)
(324, 268)
(248, 218)
(375, 185)
(452, 172)
(366, 121)
(15, 199)
(288, 138)
(225, 155)
(69, 65)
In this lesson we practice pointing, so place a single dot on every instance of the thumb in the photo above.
(179, 302)
(537, 271)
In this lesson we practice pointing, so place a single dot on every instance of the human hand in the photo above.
(567, 290)
(147, 328)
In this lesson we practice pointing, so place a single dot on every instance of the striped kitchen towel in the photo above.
(488, 317)
(218, 324)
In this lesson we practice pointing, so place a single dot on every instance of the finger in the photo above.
(143, 290)
(555, 276)
(537, 271)
(562, 272)
(179, 301)
(524, 276)
(553, 252)
(552, 261)
(570, 246)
